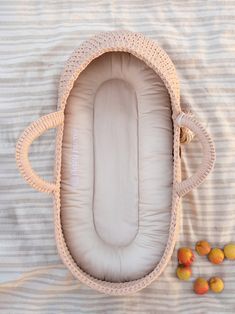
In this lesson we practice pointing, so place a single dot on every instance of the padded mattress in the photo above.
(117, 168)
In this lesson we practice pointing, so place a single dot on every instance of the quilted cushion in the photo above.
(117, 168)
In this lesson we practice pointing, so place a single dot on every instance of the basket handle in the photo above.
(33, 131)
(54, 119)
(188, 121)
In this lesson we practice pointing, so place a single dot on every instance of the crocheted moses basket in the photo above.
(117, 177)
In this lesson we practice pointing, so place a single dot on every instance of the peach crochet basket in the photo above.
(154, 57)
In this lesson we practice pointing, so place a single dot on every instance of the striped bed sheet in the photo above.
(36, 39)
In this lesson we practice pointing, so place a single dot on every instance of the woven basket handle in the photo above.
(186, 120)
(52, 120)
(33, 131)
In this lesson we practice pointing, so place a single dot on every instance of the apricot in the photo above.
(229, 251)
(202, 247)
(216, 256)
(184, 272)
(185, 256)
(216, 284)
(201, 286)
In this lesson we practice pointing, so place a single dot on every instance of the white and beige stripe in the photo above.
(36, 39)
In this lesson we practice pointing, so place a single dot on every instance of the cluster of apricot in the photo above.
(215, 255)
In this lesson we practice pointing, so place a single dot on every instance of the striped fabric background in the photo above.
(36, 39)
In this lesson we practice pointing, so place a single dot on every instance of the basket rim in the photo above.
(147, 50)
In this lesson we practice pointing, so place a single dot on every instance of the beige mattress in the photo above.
(117, 168)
